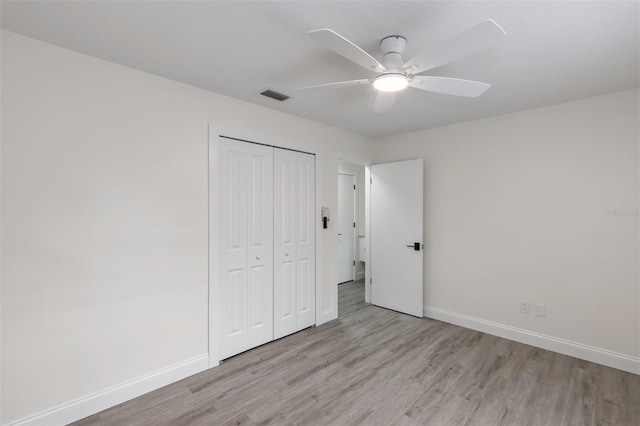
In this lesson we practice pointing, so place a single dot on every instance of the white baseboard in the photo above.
(566, 347)
(83, 407)
(326, 316)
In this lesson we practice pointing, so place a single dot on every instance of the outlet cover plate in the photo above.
(525, 307)
(541, 309)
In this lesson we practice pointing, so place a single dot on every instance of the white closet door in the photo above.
(246, 246)
(294, 242)
(306, 242)
(285, 213)
(260, 237)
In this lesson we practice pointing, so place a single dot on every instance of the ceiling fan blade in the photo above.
(462, 44)
(334, 41)
(449, 86)
(337, 84)
(384, 102)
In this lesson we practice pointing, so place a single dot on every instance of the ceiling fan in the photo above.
(393, 74)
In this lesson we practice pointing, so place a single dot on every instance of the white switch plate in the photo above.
(541, 309)
(525, 306)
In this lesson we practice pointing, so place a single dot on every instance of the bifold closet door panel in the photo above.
(260, 237)
(294, 242)
(285, 230)
(246, 246)
(306, 244)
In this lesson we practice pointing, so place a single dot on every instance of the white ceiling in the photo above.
(555, 51)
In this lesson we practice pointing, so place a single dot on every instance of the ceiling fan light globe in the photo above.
(390, 82)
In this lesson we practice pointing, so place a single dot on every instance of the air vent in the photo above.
(274, 95)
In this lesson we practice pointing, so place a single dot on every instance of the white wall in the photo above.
(104, 219)
(516, 208)
(357, 171)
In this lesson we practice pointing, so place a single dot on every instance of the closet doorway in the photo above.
(262, 243)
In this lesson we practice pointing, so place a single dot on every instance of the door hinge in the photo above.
(370, 180)
(370, 280)
(354, 224)
(354, 263)
(354, 187)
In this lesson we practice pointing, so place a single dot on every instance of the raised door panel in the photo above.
(233, 247)
(260, 246)
(285, 236)
(305, 244)
(246, 246)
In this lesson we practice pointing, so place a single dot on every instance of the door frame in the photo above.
(344, 157)
(214, 132)
(355, 214)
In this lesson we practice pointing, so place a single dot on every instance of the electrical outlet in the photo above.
(525, 307)
(541, 309)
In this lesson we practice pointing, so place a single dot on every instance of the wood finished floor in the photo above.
(378, 367)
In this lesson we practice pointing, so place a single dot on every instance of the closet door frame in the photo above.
(214, 291)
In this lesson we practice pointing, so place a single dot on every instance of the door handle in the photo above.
(339, 234)
(415, 246)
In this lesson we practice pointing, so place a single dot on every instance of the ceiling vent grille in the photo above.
(274, 95)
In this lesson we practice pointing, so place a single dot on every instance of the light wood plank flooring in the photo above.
(350, 297)
(378, 367)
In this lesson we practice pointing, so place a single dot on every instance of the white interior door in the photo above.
(306, 242)
(246, 246)
(396, 226)
(294, 241)
(284, 274)
(346, 228)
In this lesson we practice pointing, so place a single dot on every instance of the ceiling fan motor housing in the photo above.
(392, 48)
